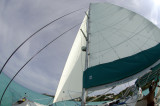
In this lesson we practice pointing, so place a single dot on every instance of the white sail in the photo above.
(122, 44)
(70, 85)
(117, 33)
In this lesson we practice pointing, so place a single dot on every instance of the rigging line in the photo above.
(50, 101)
(33, 57)
(34, 34)
(148, 77)
(73, 100)
(102, 95)
(126, 92)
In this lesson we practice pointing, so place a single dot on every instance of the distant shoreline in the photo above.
(48, 95)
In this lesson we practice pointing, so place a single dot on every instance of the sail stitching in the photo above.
(125, 40)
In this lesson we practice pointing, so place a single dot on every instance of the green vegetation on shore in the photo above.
(48, 95)
(109, 97)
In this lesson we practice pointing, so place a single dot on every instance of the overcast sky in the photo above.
(21, 18)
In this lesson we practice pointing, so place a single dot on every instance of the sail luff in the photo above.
(70, 85)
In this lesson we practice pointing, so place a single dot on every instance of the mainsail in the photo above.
(70, 85)
(122, 46)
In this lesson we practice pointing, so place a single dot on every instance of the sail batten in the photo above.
(122, 44)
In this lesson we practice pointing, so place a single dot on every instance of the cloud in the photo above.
(21, 18)
(149, 9)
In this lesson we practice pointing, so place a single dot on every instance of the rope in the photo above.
(102, 95)
(33, 35)
(126, 92)
(73, 100)
(50, 102)
(148, 77)
(32, 58)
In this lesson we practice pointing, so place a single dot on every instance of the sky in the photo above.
(21, 18)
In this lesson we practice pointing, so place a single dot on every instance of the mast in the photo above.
(84, 91)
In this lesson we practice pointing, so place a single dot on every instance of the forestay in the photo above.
(70, 85)
(122, 44)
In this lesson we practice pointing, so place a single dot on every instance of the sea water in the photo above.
(15, 92)
(145, 92)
